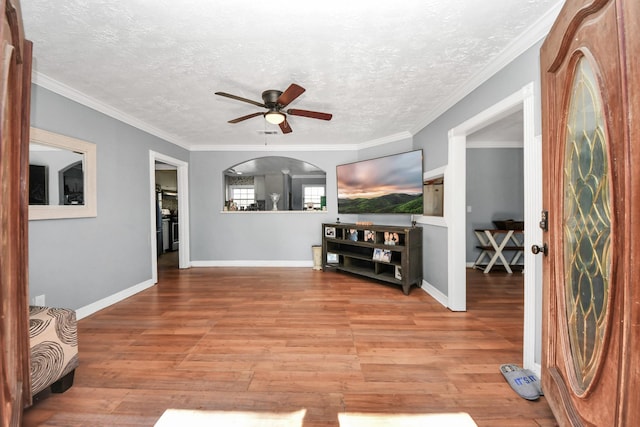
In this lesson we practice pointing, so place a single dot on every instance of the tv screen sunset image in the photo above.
(391, 184)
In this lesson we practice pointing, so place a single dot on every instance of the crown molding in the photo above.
(84, 99)
(331, 147)
(385, 140)
(536, 32)
(273, 148)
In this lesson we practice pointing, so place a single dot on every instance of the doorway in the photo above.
(495, 191)
(167, 224)
(524, 101)
(180, 226)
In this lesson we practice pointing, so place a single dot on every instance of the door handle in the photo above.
(538, 249)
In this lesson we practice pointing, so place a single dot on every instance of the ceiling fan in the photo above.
(276, 101)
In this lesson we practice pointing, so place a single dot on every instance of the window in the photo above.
(266, 175)
(313, 196)
(243, 196)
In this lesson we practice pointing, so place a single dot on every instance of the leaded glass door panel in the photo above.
(586, 225)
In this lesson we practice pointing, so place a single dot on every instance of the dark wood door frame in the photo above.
(15, 93)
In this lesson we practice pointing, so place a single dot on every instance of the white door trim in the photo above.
(524, 100)
(183, 210)
(532, 235)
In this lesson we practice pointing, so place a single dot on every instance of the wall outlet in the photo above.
(468, 209)
(39, 300)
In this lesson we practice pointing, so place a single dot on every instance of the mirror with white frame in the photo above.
(62, 176)
(274, 183)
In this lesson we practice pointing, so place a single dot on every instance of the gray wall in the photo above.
(245, 237)
(76, 262)
(283, 236)
(433, 139)
(495, 190)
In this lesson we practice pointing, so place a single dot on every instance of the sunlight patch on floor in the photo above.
(194, 418)
(406, 420)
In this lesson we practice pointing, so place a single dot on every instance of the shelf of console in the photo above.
(354, 255)
(384, 276)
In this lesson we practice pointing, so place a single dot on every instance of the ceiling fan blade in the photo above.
(239, 98)
(312, 114)
(248, 116)
(292, 92)
(284, 126)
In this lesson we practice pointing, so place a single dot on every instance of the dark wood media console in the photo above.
(383, 252)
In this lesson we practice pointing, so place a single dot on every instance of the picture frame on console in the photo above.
(369, 236)
(383, 255)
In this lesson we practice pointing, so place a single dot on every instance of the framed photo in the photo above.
(353, 235)
(398, 272)
(369, 236)
(330, 232)
(391, 238)
(332, 258)
(383, 255)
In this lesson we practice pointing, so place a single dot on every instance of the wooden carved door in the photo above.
(15, 89)
(590, 82)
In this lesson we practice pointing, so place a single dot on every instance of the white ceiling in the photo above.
(382, 68)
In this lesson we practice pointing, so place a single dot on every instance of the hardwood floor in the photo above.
(271, 340)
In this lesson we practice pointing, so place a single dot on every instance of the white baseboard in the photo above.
(252, 263)
(88, 310)
(435, 293)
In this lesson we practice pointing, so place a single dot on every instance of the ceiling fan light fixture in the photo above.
(274, 117)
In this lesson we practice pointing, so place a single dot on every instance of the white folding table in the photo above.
(493, 247)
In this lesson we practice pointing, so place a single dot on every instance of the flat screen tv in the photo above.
(384, 185)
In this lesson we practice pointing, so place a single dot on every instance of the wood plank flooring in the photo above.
(281, 340)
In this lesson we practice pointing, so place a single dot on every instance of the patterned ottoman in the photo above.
(54, 348)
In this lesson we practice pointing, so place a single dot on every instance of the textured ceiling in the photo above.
(381, 68)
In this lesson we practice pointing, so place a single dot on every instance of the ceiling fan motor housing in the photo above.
(270, 97)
